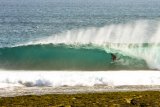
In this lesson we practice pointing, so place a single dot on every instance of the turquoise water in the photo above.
(43, 34)
(61, 57)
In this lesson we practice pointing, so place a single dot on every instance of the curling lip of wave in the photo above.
(138, 32)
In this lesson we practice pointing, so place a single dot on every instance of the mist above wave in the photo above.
(141, 31)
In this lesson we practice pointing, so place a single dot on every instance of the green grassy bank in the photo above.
(107, 99)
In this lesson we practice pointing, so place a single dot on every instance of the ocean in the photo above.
(53, 43)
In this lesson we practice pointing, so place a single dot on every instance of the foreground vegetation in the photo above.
(108, 99)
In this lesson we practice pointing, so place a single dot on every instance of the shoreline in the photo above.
(101, 99)
(23, 91)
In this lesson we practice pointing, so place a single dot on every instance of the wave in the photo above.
(11, 79)
(136, 45)
(125, 36)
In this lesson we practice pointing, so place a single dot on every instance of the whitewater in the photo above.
(15, 83)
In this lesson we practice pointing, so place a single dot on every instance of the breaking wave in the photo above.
(136, 46)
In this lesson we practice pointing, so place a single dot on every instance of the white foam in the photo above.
(10, 79)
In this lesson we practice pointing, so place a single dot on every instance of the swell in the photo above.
(66, 57)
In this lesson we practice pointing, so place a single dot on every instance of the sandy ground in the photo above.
(20, 91)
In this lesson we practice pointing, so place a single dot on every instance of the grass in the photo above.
(107, 99)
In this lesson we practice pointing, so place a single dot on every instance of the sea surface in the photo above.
(43, 41)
